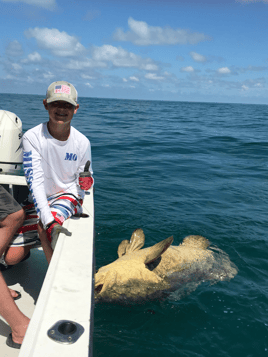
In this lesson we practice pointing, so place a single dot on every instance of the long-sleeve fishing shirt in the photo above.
(52, 166)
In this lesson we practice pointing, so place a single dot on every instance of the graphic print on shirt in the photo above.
(70, 156)
(28, 172)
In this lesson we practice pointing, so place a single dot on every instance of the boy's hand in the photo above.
(85, 178)
(86, 182)
(53, 231)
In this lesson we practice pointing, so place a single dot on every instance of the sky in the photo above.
(184, 50)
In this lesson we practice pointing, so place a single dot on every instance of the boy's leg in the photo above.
(62, 207)
(46, 245)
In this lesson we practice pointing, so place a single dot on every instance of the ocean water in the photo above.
(178, 168)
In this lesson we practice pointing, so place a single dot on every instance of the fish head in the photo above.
(128, 277)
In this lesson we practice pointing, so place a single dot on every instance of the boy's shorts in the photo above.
(8, 204)
(62, 206)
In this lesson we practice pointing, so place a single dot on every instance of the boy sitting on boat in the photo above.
(54, 154)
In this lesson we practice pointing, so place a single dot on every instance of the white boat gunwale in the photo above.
(68, 289)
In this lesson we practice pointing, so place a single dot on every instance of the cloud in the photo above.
(81, 64)
(58, 43)
(197, 57)
(16, 67)
(108, 56)
(244, 87)
(32, 57)
(188, 69)
(249, 69)
(48, 75)
(135, 79)
(259, 85)
(122, 58)
(14, 49)
(154, 77)
(10, 77)
(86, 76)
(47, 4)
(224, 70)
(142, 34)
(255, 84)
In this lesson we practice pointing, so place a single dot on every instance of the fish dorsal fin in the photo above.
(137, 241)
(154, 252)
(122, 248)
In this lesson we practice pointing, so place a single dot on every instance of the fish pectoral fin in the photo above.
(156, 250)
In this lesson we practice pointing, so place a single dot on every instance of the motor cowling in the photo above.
(11, 153)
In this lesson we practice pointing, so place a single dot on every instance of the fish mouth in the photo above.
(98, 288)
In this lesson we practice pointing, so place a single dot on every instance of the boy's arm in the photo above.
(32, 163)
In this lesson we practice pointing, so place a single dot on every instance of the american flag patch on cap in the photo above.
(62, 89)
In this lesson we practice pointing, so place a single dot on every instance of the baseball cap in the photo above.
(62, 90)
